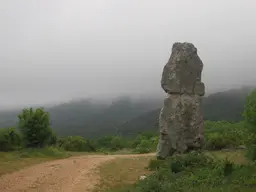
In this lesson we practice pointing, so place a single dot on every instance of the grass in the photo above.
(16, 160)
(121, 152)
(121, 172)
(235, 156)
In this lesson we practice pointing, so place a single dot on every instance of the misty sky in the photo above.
(56, 50)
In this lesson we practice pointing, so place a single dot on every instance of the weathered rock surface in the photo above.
(181, 120)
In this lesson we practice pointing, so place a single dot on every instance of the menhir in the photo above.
(181, 120)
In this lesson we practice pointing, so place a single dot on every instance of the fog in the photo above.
(57, 50)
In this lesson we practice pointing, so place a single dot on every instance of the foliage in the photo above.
(53, 138)
(250, 119)
(107, 144)
(197, 172)
(155, 164)
(126, 117)
(223, 134)
(75, 143)
(35, 127)
(145, 142)
(111, 143)
(144, 146)
(9, 139)
(250, 109)
(43, 152)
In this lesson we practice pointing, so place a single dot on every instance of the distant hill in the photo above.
(226, 105)
(89, 118)
(127, 116)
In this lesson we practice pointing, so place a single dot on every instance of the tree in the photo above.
(117, 143)
(250, 109)
(250, 119)
(9, 139)
(35, 127)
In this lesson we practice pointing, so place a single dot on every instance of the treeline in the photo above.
(126, 116)
(218, 135)
(34, 131)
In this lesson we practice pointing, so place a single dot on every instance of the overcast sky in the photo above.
(56, 50)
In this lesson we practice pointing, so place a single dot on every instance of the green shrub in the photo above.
(192, 159)
(250, 119)
(35, 127)
(217, 141)
(222, 134)
(42, 153)
(53, 138)
(194, 172)
(155, 164)
(250, 110)
(74, 143)
(144, 146)
(228, 167)
(10, 139)
(117, 143)
(251, 152)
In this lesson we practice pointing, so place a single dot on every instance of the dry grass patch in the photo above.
(9, 163)
(236, 156)
(121, 172)
(16, 160)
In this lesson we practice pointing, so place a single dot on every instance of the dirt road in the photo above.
(74, 174)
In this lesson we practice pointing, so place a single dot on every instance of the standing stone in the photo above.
(181, 120)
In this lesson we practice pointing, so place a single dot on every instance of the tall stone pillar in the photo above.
(181, 120)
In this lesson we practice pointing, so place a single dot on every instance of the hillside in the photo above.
(89, 118)
(227, 105)
(127, 116)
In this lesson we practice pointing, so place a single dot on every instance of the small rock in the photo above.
(143, 177)
(241, 147)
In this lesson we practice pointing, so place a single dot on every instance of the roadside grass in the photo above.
(16, 160)
(120, 152)
(122, 172)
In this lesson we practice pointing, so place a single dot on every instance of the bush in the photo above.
(155, 164)
(9, 139)
(217, 141)
(222, 134)
(228, 167)
(192, 159)
(250, 119)
(250, 110)
(75, 143)
(251, 152)
(53, 138)
(194, 172)
(111, 143)
(42, 153)
(117, 143)
(144, 146)
(34, 127)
